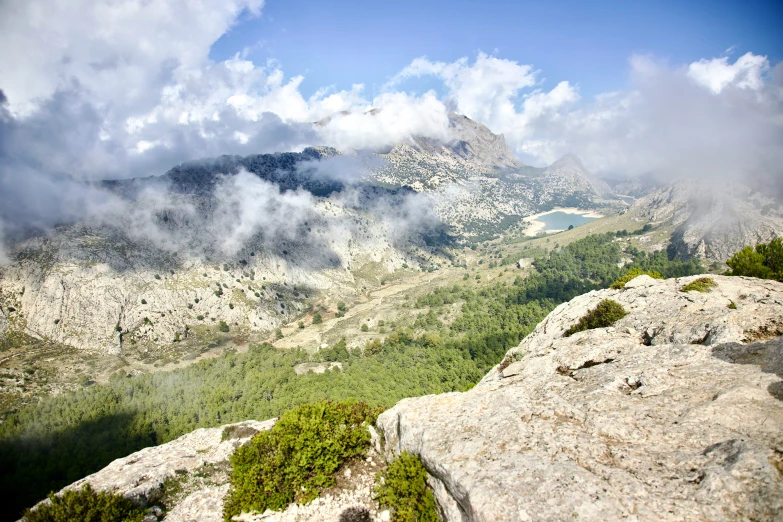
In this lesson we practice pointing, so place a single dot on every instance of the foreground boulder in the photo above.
(673, 413)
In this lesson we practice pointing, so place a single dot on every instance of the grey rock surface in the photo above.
(673, 413)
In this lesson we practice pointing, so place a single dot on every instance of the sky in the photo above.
(104, 89)
(589, 43)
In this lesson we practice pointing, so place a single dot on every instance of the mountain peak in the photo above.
(569, 159)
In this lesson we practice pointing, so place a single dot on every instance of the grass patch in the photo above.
(298, 457)
(605, 314)
(86, 505)
(404, 489)
(702, 284)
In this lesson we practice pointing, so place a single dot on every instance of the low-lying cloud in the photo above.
(141, 95)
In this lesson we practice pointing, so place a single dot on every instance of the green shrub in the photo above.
(404, 490)
(143, 301)
(278, 334)
(86, 505)
(702, 284)
(199, 317)
(317, 319)
(341, 306)
(298, 457)
(222, 326)
(765, 262)
(732, 305)
(633, 273)
(605, 314)
(364, 327)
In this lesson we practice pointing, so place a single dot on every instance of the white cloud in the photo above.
(119, 88)
(489, 90)
(717, 74)
(671, 126)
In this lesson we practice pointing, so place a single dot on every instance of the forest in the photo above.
(63, 438)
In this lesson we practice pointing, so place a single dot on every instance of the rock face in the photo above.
(673, 413)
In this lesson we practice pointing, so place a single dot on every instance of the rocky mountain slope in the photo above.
(713, 222)
(675, 412)
(246, 240)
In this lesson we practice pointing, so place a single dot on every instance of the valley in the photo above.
(201, 305)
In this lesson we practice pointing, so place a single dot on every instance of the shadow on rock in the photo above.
(35, 462)
(768, 355)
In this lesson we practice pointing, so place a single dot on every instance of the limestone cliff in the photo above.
(674, 413)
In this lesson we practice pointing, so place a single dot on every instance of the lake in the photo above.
(561, 220)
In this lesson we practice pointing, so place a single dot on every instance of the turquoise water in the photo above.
(561, 220)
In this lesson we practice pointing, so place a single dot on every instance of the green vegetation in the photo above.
(605, 314)
(86, 505)
(62, 438)
(364, 327)
(317, 319)
(404, 490)
(765, 262)
(298, 457)
(633, 274)
(732, 305)
(702, 284)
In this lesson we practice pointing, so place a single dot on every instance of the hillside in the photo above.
(674, 409)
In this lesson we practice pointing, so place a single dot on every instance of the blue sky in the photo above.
(588, 43)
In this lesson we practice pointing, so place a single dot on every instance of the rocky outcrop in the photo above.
(188, 476)
(673, 413)
(187, 479)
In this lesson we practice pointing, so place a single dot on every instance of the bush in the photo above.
(341, 306)
(278, 334)
(86, 505)
(199, 317)
(605, 314)
(364, 327)
(702, 284)
(317, 319)
(404, 490)
(143, 301)
(222, 326)
(298, 457)
(633, 273)
(765, 262)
